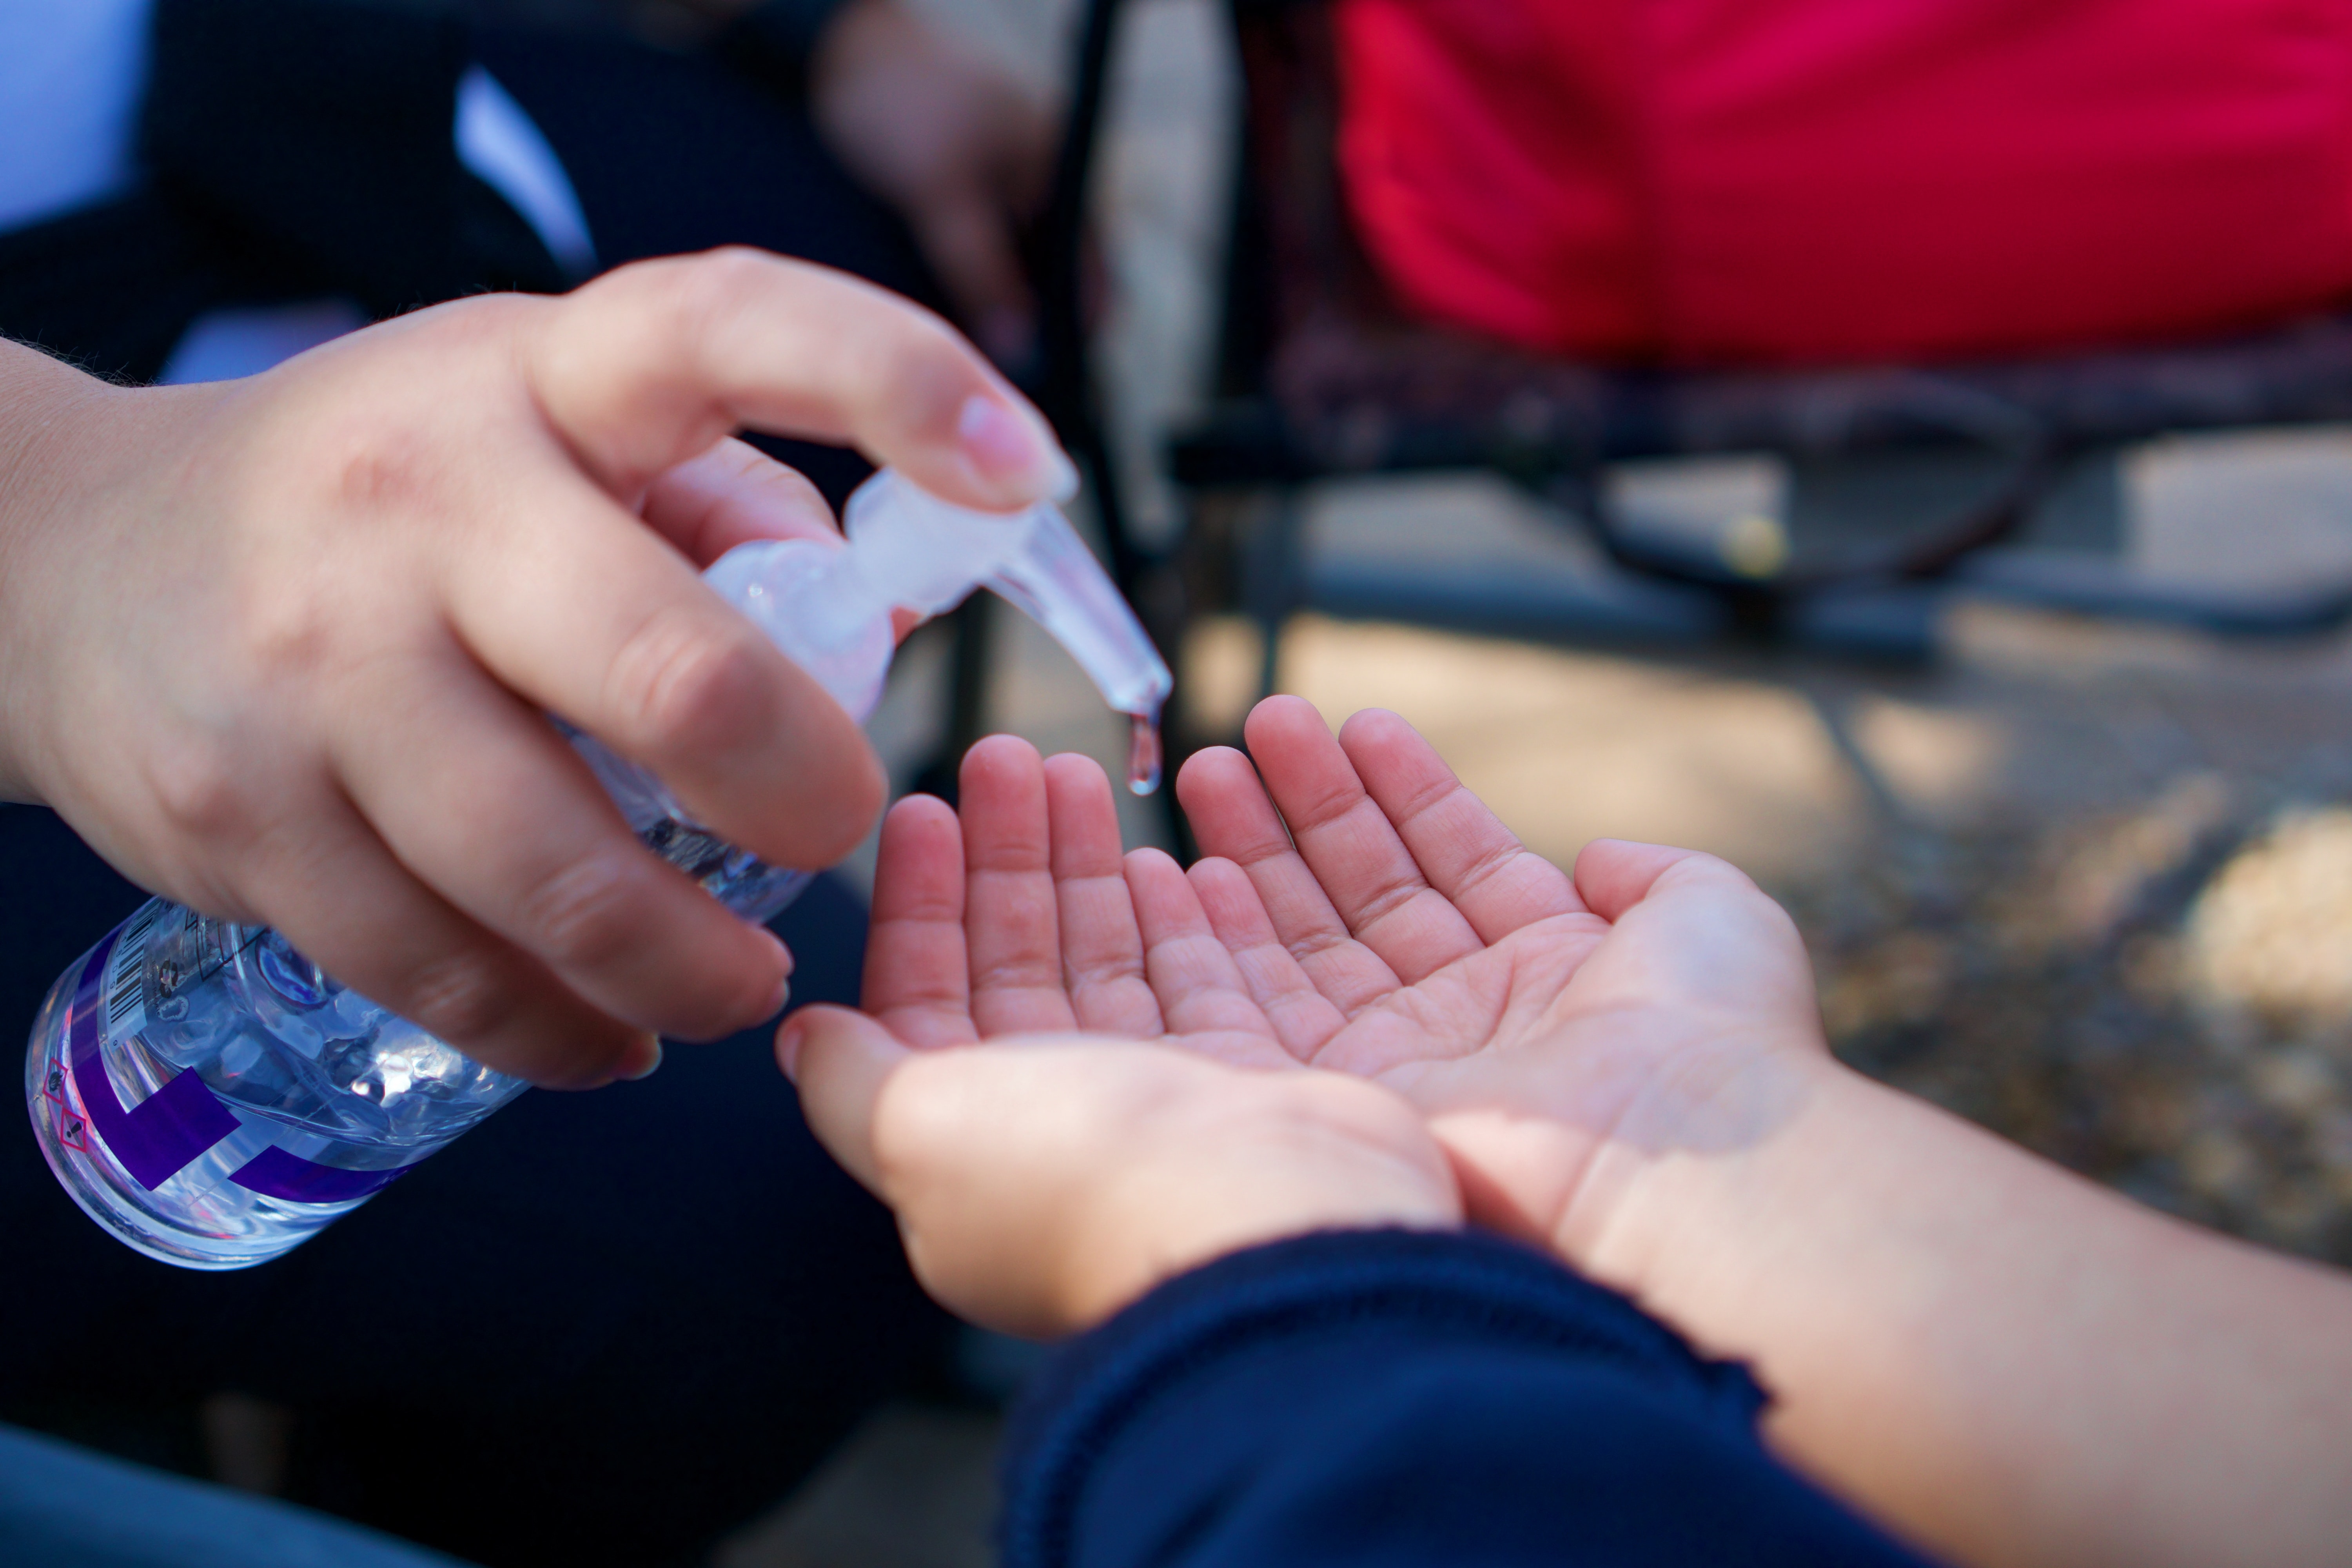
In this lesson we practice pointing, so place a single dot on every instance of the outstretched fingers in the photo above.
(1102, 947)
(1343, 892)
(1468, 855)
(1344, 836)
(1012, 925)
(1200, 990)
(1234, 821)
(1302, 1018)
(916, 974)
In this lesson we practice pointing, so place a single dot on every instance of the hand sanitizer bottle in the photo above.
(212, 1099)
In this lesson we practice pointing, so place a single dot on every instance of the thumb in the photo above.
(840, 1060)
(1613, 874)
(653, 362)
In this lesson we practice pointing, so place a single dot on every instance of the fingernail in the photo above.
(783, 954)
(1005, 448)
(788, 1049)
(643, 1061)
(783, 990)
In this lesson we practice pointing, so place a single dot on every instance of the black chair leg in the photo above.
(1272, 556)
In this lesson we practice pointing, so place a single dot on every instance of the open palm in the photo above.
(1358, 910)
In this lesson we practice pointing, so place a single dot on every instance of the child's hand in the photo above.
(2001, 1361)
(1558, 1034)
(283, 648)
(1041, 1184)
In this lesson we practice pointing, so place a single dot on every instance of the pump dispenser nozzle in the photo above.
(830, 610)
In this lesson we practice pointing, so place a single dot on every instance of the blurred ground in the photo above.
(2090, 886)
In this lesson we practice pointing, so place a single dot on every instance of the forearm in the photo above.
(2008, 1363)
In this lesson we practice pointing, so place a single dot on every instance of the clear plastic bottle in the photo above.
(207, 1094)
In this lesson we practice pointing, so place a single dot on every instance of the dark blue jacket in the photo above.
(1388, 1398)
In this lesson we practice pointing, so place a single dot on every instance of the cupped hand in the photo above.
(284, 649)
(1360, 911)
(1042, 1184)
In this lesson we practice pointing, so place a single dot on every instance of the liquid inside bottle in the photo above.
(207, 1093)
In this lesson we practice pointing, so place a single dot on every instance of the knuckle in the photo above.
(461, 996)
(733, 271)
(1489, 864)
(588, 914)
(1431, 795)
(682, 684)
(703, 294)
(1101, 973)
(1386, 901)
(206, 792)
(1325, 806)
(1313, 944)
(379, 470)
(282, 635)
(789, 488)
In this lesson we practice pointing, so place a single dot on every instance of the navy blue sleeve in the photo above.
(1380, 1398)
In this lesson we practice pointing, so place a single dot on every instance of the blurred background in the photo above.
(2086, 879)
(2086, 883)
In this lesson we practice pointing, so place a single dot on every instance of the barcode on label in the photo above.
(127, 973)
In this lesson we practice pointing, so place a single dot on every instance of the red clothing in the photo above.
(1779, 179)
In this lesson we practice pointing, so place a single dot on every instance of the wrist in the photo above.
(51, 438)
(1693, 1129)
(1292, 1154)
(1830, 1185)
(1138, 1241)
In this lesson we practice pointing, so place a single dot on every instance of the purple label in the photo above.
(275, 1173)
(169, 1129)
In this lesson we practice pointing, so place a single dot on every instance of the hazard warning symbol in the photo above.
(73, 1131)
(54, 1087)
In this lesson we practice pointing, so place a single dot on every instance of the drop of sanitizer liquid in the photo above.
(1143, 752)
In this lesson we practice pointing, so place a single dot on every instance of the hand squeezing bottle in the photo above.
(210, 1097)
